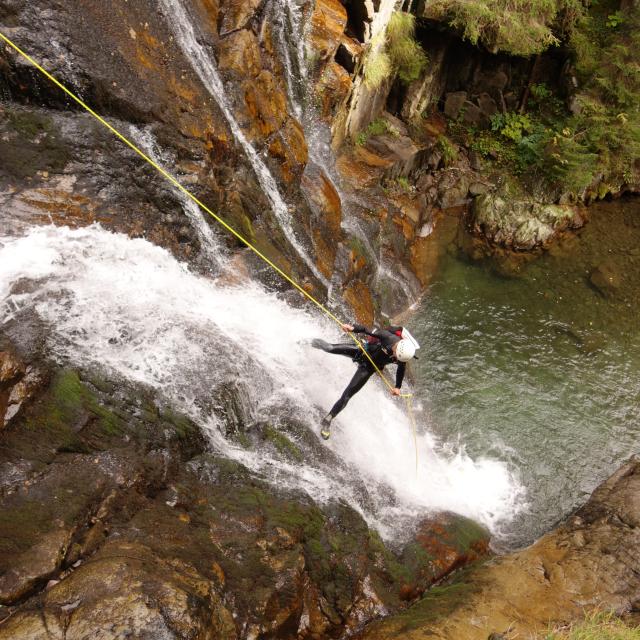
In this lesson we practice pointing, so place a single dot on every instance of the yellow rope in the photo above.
(204, 207)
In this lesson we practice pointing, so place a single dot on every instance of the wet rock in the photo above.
(327, 215)
(240, 53)
(590, 560)
(237, 14)
(117, 521)
(328, 22)
(10, 369)
(442, 544)
(606, 278)
(332, 88)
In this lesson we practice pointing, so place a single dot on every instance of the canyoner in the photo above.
(393, 345)
(372, 365)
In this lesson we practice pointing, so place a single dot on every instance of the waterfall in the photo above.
(210, 245)
(127, 308)
(203, 65)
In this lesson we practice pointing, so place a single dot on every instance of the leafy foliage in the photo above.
(595, 148)
(448, 150)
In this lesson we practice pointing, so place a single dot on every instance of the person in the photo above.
(384, 346)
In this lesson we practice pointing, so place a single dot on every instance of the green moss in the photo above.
(67, 403)
(183, 425)
(32, 145)
(395, 52)
(437, 603)
(282, 443)
(377, 127)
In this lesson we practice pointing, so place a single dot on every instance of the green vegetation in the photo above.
(378, 127)
(283, 444)
(519, 28)
(406, 55)
(448, 150)
(377, 69)
(400, 53)
(598, 626)
(403, 183)
(593, 149)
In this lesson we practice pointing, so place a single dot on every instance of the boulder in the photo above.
(520, 224)
(487, 105)
(472, 114)
(442, 544)
(453, 104)
(237, 14)
(590, 561)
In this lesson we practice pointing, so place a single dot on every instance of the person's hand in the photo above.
(347, 328)
(395, 392)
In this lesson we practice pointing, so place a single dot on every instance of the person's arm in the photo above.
(357, 328)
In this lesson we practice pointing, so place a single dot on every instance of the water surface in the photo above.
(541, 371)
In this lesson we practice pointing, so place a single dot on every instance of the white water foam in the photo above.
(128, 307)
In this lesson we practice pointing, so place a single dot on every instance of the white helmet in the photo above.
(405, 350)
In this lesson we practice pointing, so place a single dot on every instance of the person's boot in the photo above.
(316, 343)
(325, 430)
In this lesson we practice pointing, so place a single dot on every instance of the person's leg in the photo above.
(349, 350)
(360, 377)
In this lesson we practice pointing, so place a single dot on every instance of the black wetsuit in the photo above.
(379, 351)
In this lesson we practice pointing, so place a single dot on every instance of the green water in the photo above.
(542, 371)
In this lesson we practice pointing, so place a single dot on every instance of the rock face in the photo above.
(57, 165)
(590, 561)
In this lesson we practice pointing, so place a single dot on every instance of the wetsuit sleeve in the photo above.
(360, 328)
(400, 374)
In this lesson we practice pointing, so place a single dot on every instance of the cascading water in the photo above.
(127, 308)
(290, 29)
(210, 246)
(185, 33)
